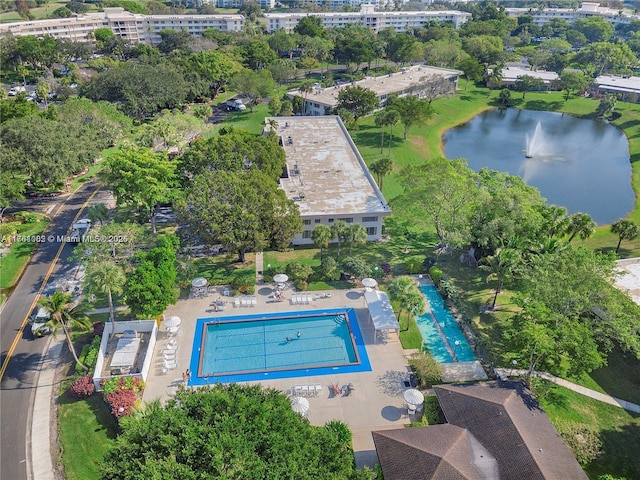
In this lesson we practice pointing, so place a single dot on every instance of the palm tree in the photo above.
(381, 167)
(106, 277)
(500, 267)
(415, 303)
(580, 224)
(356, 235)
(626, 230)
(306, 88)
(339, 230)
(65, 314)
(321, 237)
(98, 213)
(381, 121)
(400, 290)
(393, 118)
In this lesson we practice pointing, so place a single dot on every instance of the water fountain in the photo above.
(534, 143)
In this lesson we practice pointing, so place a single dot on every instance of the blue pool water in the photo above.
(438, 312)
(255, 347)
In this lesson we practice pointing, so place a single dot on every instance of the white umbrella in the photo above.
(413, 396)
(199, 282)
(280, 278)
(369, 282)
(300, 405)
(172, 322)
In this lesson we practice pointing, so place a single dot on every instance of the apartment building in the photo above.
(326, 176)
(368, 17)
(406, 82)
(264, 4)
(133, 27)
(587, 9)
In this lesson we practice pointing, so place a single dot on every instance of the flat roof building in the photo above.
(586, 10)
(368, 17)
(406, 82)
(326, 176)
(511, 74)
(130, 26)
(627, 87)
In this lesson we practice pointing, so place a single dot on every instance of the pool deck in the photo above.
(376, 403)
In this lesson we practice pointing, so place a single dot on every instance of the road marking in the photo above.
(14, 344)
(49, 208)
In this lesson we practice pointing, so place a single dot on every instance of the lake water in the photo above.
(583, 165)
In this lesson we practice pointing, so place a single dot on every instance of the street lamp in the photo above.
(515, 364)
(455, 348)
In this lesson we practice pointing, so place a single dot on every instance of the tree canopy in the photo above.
(228, 431)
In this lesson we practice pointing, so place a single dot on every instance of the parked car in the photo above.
(15, 90)
(40, 323)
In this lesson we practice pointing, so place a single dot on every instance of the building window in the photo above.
(372, 230)
(348, 220)
(306, 222)
(317, 220)
(307, 234)
(330, 220)
(369, 219)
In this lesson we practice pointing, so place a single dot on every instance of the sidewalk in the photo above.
(587, 392)
(39, 436)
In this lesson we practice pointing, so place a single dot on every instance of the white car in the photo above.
(40, 323)
(15, 90)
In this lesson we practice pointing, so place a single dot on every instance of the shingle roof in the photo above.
(506, 418)
(444, 452)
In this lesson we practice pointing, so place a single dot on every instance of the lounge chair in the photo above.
(254, 301)
(317, 388)
(294, 299)
(305, 390)
(243, 302)
(236, 301)
(226, 292)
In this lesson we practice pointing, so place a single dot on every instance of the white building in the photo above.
(511, 74)
(326, 176)
(405, 82)
(368, 17)
(130, 26)
(627, 87)
(587, 9)
(264, 4)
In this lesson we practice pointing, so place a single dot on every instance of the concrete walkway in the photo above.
(39, 438)
(587, 392)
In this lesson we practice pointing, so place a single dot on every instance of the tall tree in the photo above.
(64, 314)
(141, 178)
(500, 267)
(356, 235)
(626, 230)
(255, 85)
(98, 213)
(358, 100)
(381, 168)
(572, 82)
(393, 118)
(106, 277)
(321, 236)
(471, 68)
(412, 111)
(580, 224)
(339, 230)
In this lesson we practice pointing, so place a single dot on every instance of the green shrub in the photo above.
(341, 430)
(27, 217)
(436, 274)
(243, 282)
(413, 266)
(431, 410)
(89, 355)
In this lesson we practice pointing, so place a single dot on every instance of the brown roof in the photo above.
(506, 418)
(443, 452)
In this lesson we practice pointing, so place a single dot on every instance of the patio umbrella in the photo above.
(300, 405)
(280, 278)
(369, 282)
(413, 396)
(199, 282)
(172, 322)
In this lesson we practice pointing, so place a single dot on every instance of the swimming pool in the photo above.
(440, 331)
(258, 347)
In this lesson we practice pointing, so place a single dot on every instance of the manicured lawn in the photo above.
(20, 251)
(86, 428)
(619, 430)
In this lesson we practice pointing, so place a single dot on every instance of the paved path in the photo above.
(603, 397)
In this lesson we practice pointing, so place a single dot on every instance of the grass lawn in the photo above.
(86, 428)
(619, 430)
(19, 253)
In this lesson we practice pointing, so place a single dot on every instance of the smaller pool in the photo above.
(440, 331)
(258, 347)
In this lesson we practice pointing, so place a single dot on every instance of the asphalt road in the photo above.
(21, 365)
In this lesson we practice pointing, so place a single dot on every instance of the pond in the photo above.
(581, 164)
